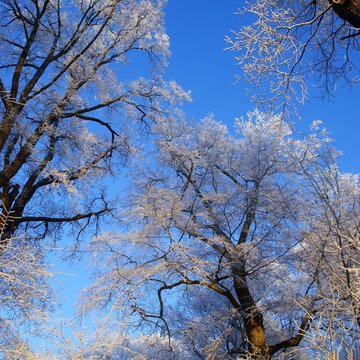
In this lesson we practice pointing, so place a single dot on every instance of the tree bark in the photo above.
(348, 10)
(252, 316)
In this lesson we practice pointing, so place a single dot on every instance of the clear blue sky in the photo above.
(199, 62)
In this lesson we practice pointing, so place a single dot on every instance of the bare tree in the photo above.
(25, 295)
(66, 99)
(113, 345)
(288, 46)
(69, 111)
(237, 246)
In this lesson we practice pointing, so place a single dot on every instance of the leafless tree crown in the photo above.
(286, 47)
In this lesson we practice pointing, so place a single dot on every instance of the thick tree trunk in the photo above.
(348, 10)
(252, 316)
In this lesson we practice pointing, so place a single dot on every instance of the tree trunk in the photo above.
(348, 10)
(252, 316)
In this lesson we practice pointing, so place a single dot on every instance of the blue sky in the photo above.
(199, 63)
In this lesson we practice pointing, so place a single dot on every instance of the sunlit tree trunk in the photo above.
(253, 318)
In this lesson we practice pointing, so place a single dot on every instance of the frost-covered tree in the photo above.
(109, 344)
(70, 105)
(66, 99)
(285, 46)
(25, 295)
(238, 246)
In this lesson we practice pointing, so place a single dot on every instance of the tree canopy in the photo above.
(62, 99)
(69, 111)
(237, 241)
(241, 245)
(287, 47)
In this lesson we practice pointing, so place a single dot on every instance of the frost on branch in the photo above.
(25, 297)
(288, 47)
(242, 245)
(70, 111)
(69, 108)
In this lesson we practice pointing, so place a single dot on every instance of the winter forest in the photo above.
(153, 207)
